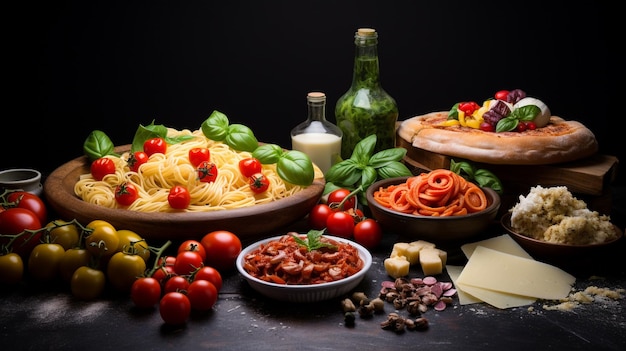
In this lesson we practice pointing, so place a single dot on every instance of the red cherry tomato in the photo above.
(174, 308)
(259, 183)
(145, 292)
(198, 155)
(102, 167)
(202, 295)
(126, 193)
(31, 202)
(136, 159)
(468, 107)
(340, 223)
(176, 283)
(154, 146)
(521, 126)
(487, 127)
(187, 262)
(501, 95)
(207, 171)
(179, 197)
(222, 248)
(318, 216)
(336, 196)
(530, 125)
(211, 274)
(249, 166)
(192, 245)
(368, 233)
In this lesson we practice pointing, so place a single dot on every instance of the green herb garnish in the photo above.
(482, 177)
(313, 241)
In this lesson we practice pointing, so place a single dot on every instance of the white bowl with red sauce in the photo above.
(305, 292)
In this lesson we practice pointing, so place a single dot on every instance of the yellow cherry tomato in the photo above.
(63, 233)
(43, 262)
(87, 283)
(11, 268)
(102, 241)
(123, 269)
(73, 259)
(139, 244)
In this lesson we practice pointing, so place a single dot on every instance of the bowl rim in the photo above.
(494, 206)
(366, 256)
(505, 221)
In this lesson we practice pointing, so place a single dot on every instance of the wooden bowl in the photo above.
(247, 223)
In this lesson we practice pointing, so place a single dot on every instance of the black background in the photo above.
(76, 66)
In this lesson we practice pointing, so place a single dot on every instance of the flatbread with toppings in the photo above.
(551, 140)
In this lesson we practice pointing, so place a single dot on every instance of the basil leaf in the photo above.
(387, 156)
(506, 124)
(526, 113)
(486, 178)
(454, 112)
(462, 167)
(296, 168)
(368, 176)
(268, 153)
(144, 133)
(97, 145)
(363, 149)
(393, 169)
(241, 138)
(344, 173)
(216, 126)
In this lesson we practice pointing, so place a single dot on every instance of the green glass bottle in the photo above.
(366, 108)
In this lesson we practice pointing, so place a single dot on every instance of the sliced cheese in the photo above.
(464, 298)
(430, 261)
(503, 243)
(496, 298)
(494, 270)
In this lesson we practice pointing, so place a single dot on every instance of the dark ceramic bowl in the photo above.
(540, 249)
(437, 230)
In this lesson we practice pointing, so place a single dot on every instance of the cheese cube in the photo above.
(397, 266)
(443, 255)
(422, 244)
(431, 261)
(399, 249)
(412, 254)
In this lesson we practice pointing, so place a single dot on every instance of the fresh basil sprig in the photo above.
(97, 145)
(313, 241)
(152, 130)
(480, 176)
(524, 113)
(292, 166)
(237, 136)
(362, 169)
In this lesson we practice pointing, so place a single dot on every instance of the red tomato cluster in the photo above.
(252, 169)
(189, 281)
(341, 217)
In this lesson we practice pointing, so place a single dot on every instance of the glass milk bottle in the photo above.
(366, 108)
(317, 137)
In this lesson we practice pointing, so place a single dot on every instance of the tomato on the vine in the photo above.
(187, 262)
(102, 167)
(87, 283)
(163, 273)
(176, 283)
(192, 245)
(174, 308)
(14, 221)
(259, 183)
(208, 273)
(179, 197)
(198, 155)
(123, 269)
(341, 224)
(202, 295)
(29, 201)
(249, 166)
(368, 233)
(336, 196)
(136, 159)
(11, 268)
(126, 193)
(145, 292)
(133, 242)
(73, 259)
(154, 146)
(318, 216)
(44, 261)
(63, 233)
(222, 248)
(207, 171)
(103, 240)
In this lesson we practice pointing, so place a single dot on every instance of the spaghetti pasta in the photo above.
(154, 178)
(439, 192)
